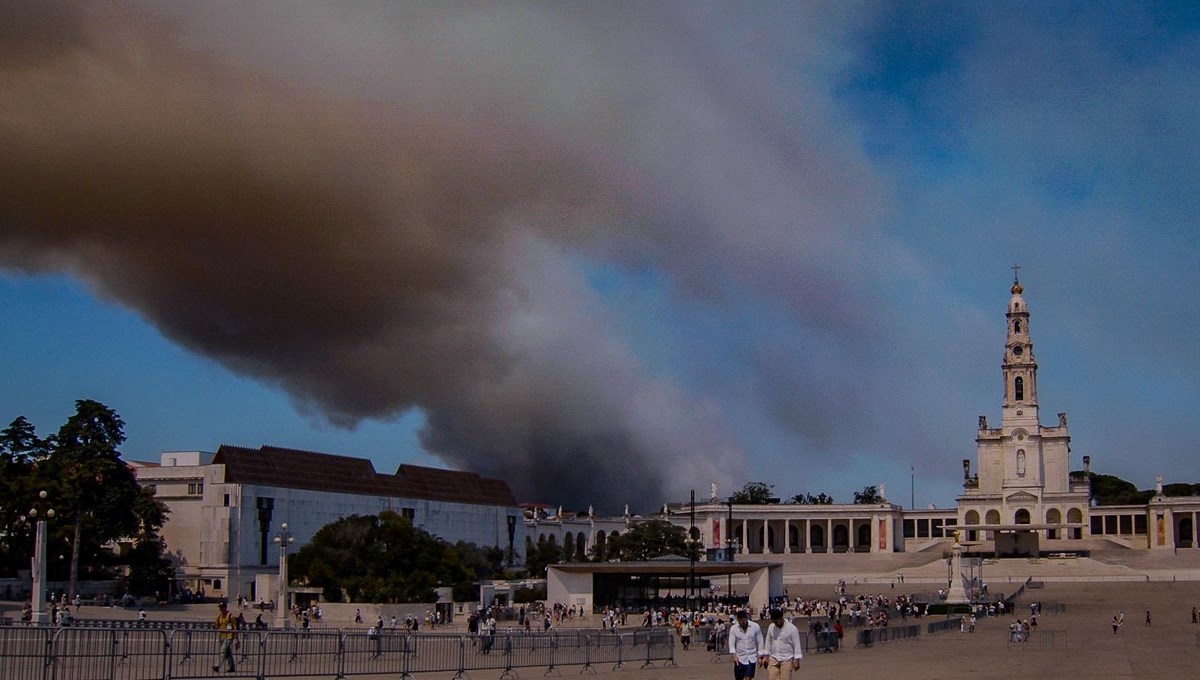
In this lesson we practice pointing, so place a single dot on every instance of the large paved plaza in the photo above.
(1085, 646)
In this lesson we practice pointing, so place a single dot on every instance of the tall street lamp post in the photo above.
(693, 544)
(283, 539)
(38, 563)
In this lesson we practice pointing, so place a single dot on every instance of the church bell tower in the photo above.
(1024, 476)
(1019, 368)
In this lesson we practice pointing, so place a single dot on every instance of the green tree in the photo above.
(755, 493)
(19, 447)
(650, 539)
(544, 553)
(868, 496)
(149, 569)
(384, 558)
(1112, 490)
(809, 499)
(95, 495)
(91, 485)
(1181, 489)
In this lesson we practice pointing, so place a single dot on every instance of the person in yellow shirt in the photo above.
(227, 625)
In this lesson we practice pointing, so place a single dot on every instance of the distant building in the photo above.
(226, 508)
(1023, 499)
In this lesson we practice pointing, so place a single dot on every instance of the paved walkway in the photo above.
(1085, 645)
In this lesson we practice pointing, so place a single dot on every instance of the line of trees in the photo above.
(761, 493)
(1112, 490)
(105, 525)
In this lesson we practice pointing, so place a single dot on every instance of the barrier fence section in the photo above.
(32, 653)
(874, 636)
(1039, 639)
(954, 623)
(25, 652)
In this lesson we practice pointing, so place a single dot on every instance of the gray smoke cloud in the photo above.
(384, 207)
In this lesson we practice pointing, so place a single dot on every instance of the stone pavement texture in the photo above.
(1085, 644)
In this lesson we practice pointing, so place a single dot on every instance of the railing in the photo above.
(33, 653)
(868, 637)
(944, 625)
(155, 624)
(1038, 639)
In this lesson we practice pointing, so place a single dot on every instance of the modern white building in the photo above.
(227, 507)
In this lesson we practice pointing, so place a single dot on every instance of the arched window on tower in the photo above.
(1019, 388)
(1017, 326)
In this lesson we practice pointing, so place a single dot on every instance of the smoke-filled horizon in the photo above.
(606, 251)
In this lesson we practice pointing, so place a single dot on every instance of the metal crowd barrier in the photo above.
(154, 624)
(825, 641)
(944, 625)
(1040, 639)
(25, 652)
(39, 653)
(875, 636)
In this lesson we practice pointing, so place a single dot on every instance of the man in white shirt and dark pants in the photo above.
(746, 645)
(783, 648)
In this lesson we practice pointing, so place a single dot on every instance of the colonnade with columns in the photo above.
(768, 533)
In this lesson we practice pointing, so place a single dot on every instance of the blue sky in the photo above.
(607, 252)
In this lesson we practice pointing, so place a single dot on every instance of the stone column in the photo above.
(787, 536)
(765, 536)
(828, 536)
(745, 535)
(808, 535)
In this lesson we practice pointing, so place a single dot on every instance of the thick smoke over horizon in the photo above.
(397, 214)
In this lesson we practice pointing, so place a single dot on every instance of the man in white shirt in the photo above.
(746, 645)
(783, 648)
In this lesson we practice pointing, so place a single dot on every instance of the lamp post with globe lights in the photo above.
(283, 539)
(38, 563)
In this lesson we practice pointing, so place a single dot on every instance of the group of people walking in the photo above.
(779, 650)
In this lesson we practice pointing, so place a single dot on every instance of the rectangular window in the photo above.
(935, 528)
(217, 583)
(1139, 525)
(227, 500)
(1097, 525)
(1110, 524)
(200, 488)
(922, 528)
(1127, 524)
(409, 513)
(910, 528)
(153, 488)
(191, 489)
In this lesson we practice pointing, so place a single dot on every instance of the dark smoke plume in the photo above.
(368, 256)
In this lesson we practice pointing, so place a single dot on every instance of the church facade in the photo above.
(1024, 490)
(1021, 498)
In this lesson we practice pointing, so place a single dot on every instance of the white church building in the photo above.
(1021, 500)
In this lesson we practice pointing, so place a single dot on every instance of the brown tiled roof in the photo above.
(293, 469)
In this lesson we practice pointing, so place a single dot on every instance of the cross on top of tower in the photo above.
(1016, 287)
